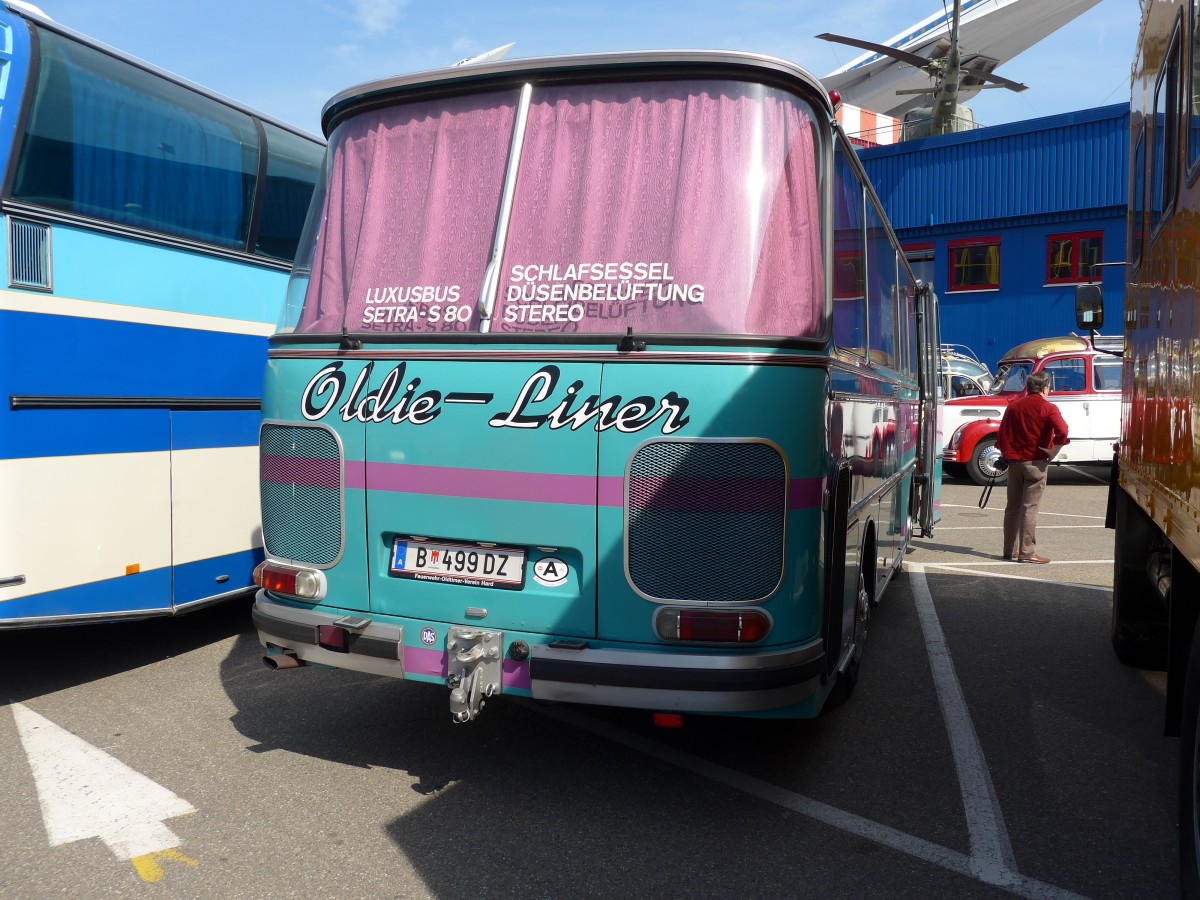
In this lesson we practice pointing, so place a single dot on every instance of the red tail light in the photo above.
(733, 626)
(292, 581)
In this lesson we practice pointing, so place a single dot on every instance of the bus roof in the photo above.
(1045, 346)
(36, 15)
(505, 70)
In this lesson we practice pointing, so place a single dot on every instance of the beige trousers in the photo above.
(1026, 484)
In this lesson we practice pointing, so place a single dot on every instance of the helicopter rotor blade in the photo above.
(999, 81)
(912, 59)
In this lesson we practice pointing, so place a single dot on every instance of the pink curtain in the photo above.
(674, 207)
(412, 203)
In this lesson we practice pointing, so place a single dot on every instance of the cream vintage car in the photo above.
(1085, 384)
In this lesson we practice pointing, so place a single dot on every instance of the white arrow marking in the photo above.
(86, 793)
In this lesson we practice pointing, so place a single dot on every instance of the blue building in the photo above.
(1006, 220)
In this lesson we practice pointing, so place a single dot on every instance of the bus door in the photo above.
(480, 496)
(214, 455)
(712, 496)
(928, 487)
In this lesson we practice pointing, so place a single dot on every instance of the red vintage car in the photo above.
(1085, 384)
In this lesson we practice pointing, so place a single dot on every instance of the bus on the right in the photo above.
(1154, 502)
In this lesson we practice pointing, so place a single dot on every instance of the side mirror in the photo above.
(1089, 307)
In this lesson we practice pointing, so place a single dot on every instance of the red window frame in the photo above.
(970, 271)
(1065, 269)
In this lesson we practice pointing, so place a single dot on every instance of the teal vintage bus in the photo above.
(602, 379)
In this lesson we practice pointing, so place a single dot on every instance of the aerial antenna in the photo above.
(491, 56)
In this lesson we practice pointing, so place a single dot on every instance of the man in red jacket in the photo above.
(1031, 433)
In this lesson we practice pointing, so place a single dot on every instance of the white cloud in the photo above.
(377, 16)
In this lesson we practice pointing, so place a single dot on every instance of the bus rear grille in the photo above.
(706, 520)
(300, 478)
(28, 255)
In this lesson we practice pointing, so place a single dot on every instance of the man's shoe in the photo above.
(1033, 559)
(1009, 557)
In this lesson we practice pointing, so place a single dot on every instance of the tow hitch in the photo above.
(473, 670)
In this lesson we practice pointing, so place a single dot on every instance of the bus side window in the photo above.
(849, 254)
(112, 142)
(1106, 375)
(1066, 375)
(962, 386)
(881, 288)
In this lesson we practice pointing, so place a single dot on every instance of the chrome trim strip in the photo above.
(673, 659)
(12, 581)
(583, 65)
(548, 355)
(58, 401)
(887, 485)
(49, 215)
(295, 629)
(84, 619)
(628, 663)
(491, 277)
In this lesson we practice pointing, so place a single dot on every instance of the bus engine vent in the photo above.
(29, 255)
(706, 521)
(300, 479)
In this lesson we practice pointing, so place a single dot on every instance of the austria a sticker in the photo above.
(550, 572)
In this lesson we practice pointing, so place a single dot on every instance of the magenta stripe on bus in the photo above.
(535, 487)
(300, 470)
(425, 661)
(716, 495)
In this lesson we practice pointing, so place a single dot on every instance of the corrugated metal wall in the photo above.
(1021, 182)
(1068, 163)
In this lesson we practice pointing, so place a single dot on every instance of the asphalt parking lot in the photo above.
(994, 746)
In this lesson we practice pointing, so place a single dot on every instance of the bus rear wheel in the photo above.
(1139, 619)
(864, 600)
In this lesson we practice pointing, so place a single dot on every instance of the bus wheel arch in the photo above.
(1139, 622)
(865, 599)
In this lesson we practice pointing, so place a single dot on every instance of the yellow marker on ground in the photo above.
(148, 865)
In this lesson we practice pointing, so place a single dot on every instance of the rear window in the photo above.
(675, 207)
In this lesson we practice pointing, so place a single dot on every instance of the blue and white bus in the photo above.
(148, 227)
(603, 380)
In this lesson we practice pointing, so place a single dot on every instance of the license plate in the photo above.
(453, 563)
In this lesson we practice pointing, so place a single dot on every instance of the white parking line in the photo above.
(991, 860)
(992, 857)
(960, 569)
(1011, 562)
(1000, 511)
(859, 826)
(942, 528)
(1079, 471)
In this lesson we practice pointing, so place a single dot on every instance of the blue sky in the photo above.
(288, 57)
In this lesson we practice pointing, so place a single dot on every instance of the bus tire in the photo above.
(1189, 776)
(864, 601)
(1139, 624)
(981, 468)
